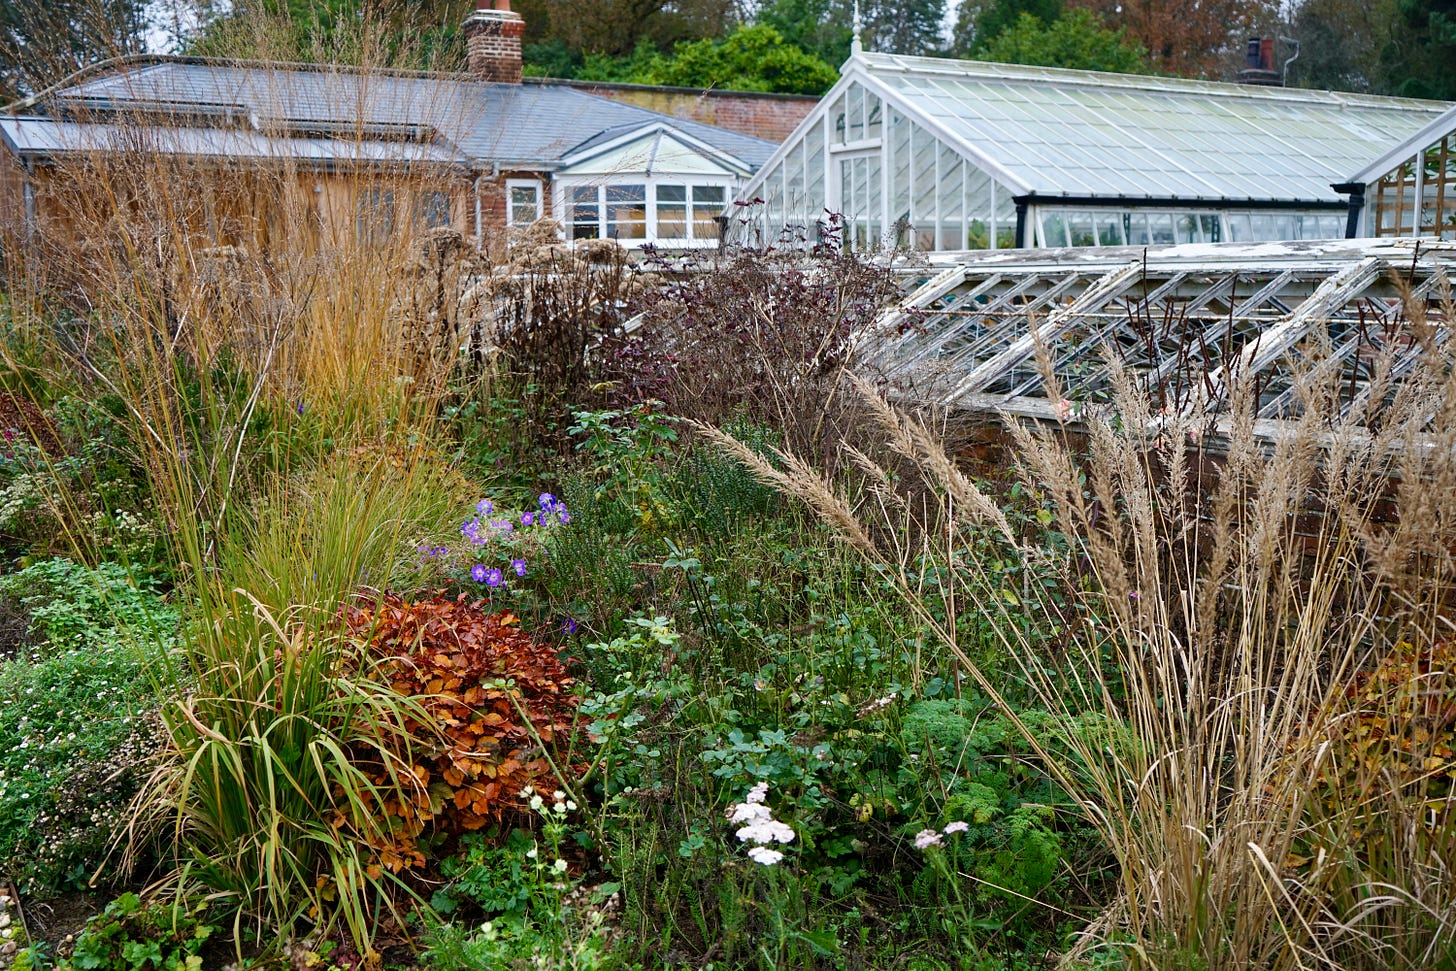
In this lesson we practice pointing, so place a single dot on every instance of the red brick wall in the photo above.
(769, 116)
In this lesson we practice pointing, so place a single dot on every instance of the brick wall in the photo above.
(768, 116)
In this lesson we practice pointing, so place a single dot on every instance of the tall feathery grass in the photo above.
(1246, 639)
(280, 381)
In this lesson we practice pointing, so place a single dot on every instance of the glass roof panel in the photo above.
(1075, 132)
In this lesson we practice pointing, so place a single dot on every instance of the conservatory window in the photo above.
(643, 211)
(584, 214)
(626, 211)
(708, 202)
(523, 202)
(672, 212)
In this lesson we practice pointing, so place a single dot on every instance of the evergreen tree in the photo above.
(41, 43)
(980, 23)
(825, 27)
(1341, 43)
(1420, 61)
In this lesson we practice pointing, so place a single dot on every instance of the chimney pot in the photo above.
(493, 42)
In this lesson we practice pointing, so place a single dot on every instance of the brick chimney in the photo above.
(493, 42)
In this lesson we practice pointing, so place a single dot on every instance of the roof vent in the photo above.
(493, 42)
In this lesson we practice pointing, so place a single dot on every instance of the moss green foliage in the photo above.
(75, 714)
(1076, 40)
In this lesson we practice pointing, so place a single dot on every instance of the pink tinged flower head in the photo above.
(757, 794)
(926, 838)
(959, 826)
(1063, 409)
(765, 856)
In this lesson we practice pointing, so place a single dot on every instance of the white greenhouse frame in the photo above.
(945, 156)
(973, 330)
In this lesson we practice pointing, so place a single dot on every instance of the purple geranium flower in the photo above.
(493, 578)
(478, 573)
(519, 566)
(527, 518)
(547, 501)
(484, 507)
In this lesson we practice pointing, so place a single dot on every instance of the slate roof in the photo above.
(532, 125)
(1055, 132)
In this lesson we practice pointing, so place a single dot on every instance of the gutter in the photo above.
(1175, 202)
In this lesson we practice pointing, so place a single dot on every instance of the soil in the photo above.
(21, 416)
(51, 920)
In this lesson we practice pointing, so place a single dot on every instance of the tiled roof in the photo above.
(531, 125)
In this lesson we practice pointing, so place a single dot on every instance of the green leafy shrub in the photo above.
(132, 936)
(75, 726)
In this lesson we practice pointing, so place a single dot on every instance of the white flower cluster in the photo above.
(760, 828)
(927, 838)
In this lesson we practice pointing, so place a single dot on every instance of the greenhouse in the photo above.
(979, 334)
(943, 155)
(1410, 190)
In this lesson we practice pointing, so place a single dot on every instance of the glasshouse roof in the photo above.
(1057, 132)
(946, 156)
(978, 334)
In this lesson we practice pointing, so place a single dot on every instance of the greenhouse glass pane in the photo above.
(874, 198)
(854, 114)
(1005, 213)
(794, 185)
(1136, 226)
(1185, 228)
(874, 117)
(1079, 229)
(1110, 230)
(922, 180)
(1212, 228)
(814, 199)
(1160, 226)
(952, 200)
(1240, 229)
(840, 127)
(899, 163)
(979, 208)
(1054, 228)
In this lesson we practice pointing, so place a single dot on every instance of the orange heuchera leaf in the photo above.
(442, 652)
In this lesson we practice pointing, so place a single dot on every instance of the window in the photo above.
(433, 209)
(708, 203)
(640, 212)
(523, 202)
(584, 215)
(375, 213)
(626, 211)
(672, 212)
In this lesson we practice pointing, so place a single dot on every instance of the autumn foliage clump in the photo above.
(496, 713)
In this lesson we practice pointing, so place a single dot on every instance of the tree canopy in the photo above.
(752, 58)
(1075, 40)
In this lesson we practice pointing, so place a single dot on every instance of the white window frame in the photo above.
(561, 192)
(535, 186)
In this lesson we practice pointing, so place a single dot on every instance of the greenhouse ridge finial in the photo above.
(855, 45)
